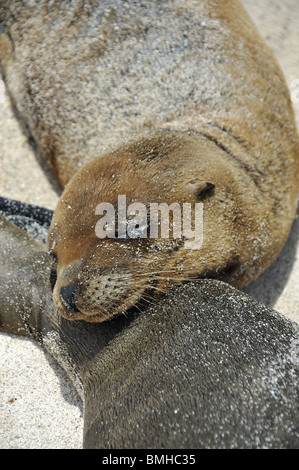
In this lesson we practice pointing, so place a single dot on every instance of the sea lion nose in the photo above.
(69, 297)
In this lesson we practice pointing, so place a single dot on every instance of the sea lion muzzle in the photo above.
(68, 296)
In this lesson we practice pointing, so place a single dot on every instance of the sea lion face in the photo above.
(100, 277)
(106, 281)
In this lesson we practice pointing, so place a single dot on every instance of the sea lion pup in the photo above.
(214, 125)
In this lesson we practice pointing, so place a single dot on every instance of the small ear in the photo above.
(199, 188)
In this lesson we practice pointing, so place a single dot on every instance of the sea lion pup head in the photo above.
(100, 277)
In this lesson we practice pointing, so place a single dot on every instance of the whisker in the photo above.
(147, 300)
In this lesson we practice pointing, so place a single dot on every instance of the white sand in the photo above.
(39, 407)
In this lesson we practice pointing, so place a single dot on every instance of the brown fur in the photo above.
(213, 110)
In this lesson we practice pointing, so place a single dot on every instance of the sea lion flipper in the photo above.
(25, 269)
(34, 220)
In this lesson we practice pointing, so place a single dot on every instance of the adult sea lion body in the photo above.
(207, 102)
